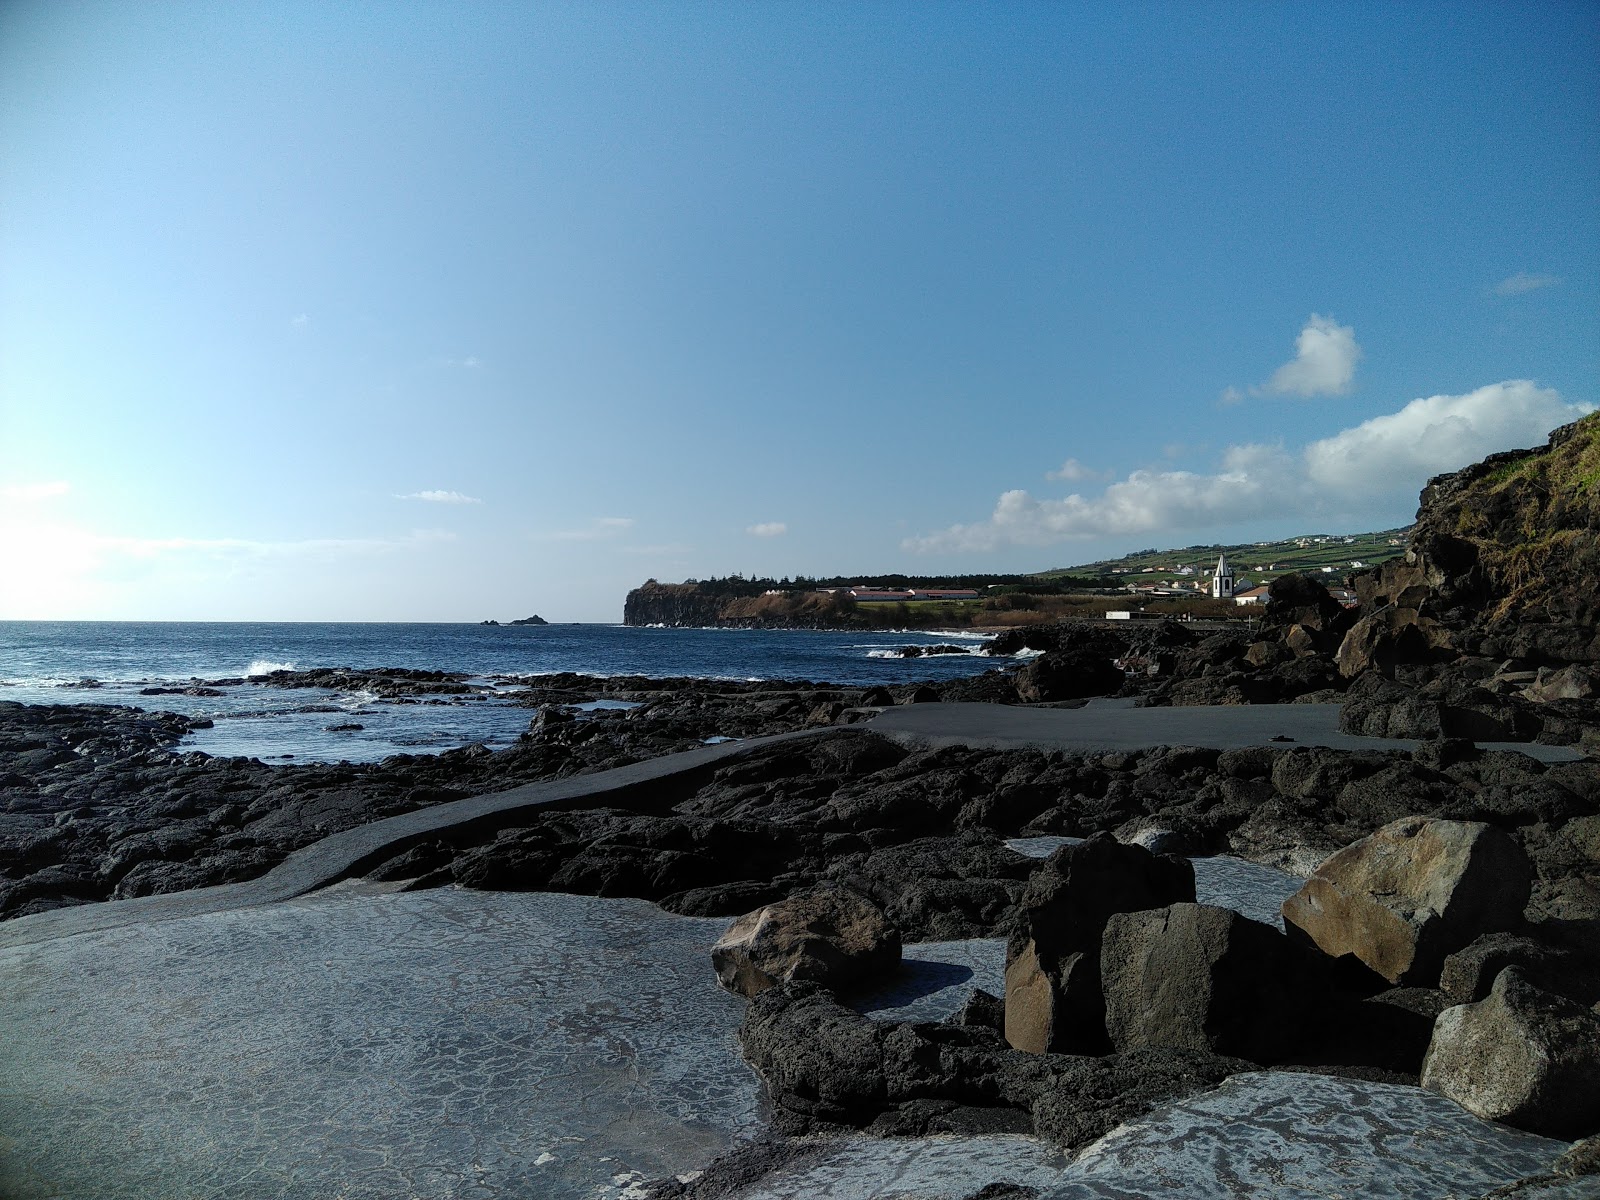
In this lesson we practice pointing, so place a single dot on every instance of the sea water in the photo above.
(112, 662)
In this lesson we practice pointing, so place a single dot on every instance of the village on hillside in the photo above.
(1241, 573)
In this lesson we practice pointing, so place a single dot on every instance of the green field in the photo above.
(1259, 562)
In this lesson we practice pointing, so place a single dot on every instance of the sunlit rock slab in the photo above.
(1268, 1134)
(1306, 1137)
(1248, 888)
(934, 980)
(931, 1168)
(433, 1044)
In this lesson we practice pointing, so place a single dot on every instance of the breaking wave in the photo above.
(265, 666)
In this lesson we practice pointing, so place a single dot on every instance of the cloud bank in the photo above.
(1361, 469)
(1324, 363)
(767, 529)
(441, 497)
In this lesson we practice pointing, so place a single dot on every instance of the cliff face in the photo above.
(1504, 561)
(671, 604)
(689, 604)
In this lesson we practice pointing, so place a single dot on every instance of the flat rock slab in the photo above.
(1098, 727)
(1248, 888)
(1287, 1136)
(1306, 1137)
(930, 1168)
(431, 1044)
(934, 980)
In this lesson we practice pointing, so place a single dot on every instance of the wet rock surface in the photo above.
(372, 1046)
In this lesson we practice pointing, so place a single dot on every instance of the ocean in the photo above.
(111, 662)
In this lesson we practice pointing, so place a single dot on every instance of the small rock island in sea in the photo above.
(1307, 907)
(536, 619)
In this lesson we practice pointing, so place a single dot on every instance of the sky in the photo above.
(443, 311)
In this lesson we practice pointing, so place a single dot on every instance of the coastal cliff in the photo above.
(1504, 557)
(698, 606)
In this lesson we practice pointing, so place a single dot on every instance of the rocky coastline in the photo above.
(1450, 915)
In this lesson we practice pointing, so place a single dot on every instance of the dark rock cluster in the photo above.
(96, 802)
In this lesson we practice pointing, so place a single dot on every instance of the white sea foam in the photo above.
(265, 666)
(945, 654)
(1026, 652)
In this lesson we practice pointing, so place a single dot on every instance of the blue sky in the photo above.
(442, 312)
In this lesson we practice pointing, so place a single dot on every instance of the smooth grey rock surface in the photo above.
(1267, 1134)
(431, 1044)
(1306, 1137)
(934, 980)
(1248, 888)
(1102, 727)
(930, 1168)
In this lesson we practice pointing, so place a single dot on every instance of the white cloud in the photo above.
(35, 491)
(1324, 363)
(767, 529)
(1522, 283)
(299, 321)
(1362, 469)
(1229, 396)
(1400, 451)
(441, 497)
(1073, 471)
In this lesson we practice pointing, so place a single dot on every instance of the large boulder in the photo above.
(1383, 641)
(1521, 1055)
(1470, 974)
(830, 935)
(1075, 891)
(1068, 675)
(1056, 1007)
(1299, 605)
(1199, 977)
(1053, 956)
(1405, 897)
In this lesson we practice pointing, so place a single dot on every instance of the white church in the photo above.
(1222, 579)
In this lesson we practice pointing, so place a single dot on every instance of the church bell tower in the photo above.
(1222, 579)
